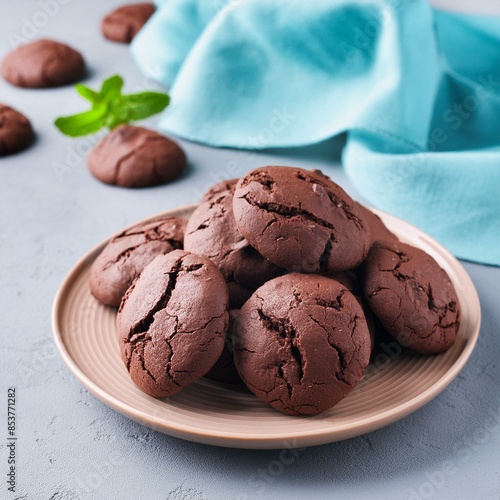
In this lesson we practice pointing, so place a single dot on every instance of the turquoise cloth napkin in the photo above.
(418, 90)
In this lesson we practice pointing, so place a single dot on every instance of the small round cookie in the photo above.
(300, 220)
(172, 322)
(412, 296)
(122, 24)
(224, 369)
(16, 132)
(132, 156)
(42, 64)
(127, 254)
(301, 343)
(211, 231)
(378, 229)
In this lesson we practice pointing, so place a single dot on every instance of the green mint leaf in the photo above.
(111, 88)
(87, 93)
(145, 104)
(83, 123)
(110, 108)
(117, 116)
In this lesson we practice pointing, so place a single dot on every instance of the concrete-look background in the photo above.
(70, 445)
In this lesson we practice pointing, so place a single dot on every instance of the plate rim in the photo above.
(238, 439)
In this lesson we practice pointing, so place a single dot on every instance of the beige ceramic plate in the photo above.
(395, 385)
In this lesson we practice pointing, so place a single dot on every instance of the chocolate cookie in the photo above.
(301, 343)
(16, 133)
(125, 22)
(412, 297)
(378, 229)
(172, 322)
(136, 157)
(211, 231)
(224, 369)
(43, 63)
(127, 254)
(300, 220)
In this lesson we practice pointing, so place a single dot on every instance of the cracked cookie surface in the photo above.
(131, 156)
(412, 296)
(122, 24)
(301, 343)
(172, 322)
(16, 133)
(43, 63)
(212, 232)
(127, 254)
(300, 220)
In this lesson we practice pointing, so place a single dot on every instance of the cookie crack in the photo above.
(134, 341)
(122, 256)
(285, 211)
(138, 346)
(120, 162)
(282, 375)
(205, 224)
(376, 291)
(335, 200)
(287, 337)
(268, 225)
(204, 326)
(217, 200)
(297, 299)
(144, 324)
(297, 355)
(442, 311)
(153, 234)
(400, 313)
(244, 349)
(340, 376)
(143, 366)
(131, 153)
(325, 256)
(403, 258)
(262, 178)
(168, 340)
(168, 365)
(336, 304)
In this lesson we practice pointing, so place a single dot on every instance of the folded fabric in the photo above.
(417, 89)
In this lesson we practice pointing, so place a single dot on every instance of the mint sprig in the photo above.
(110, 108)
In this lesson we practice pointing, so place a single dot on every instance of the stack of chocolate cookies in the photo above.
(275, 284)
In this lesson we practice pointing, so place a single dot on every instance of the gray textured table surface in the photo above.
(70, 445)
